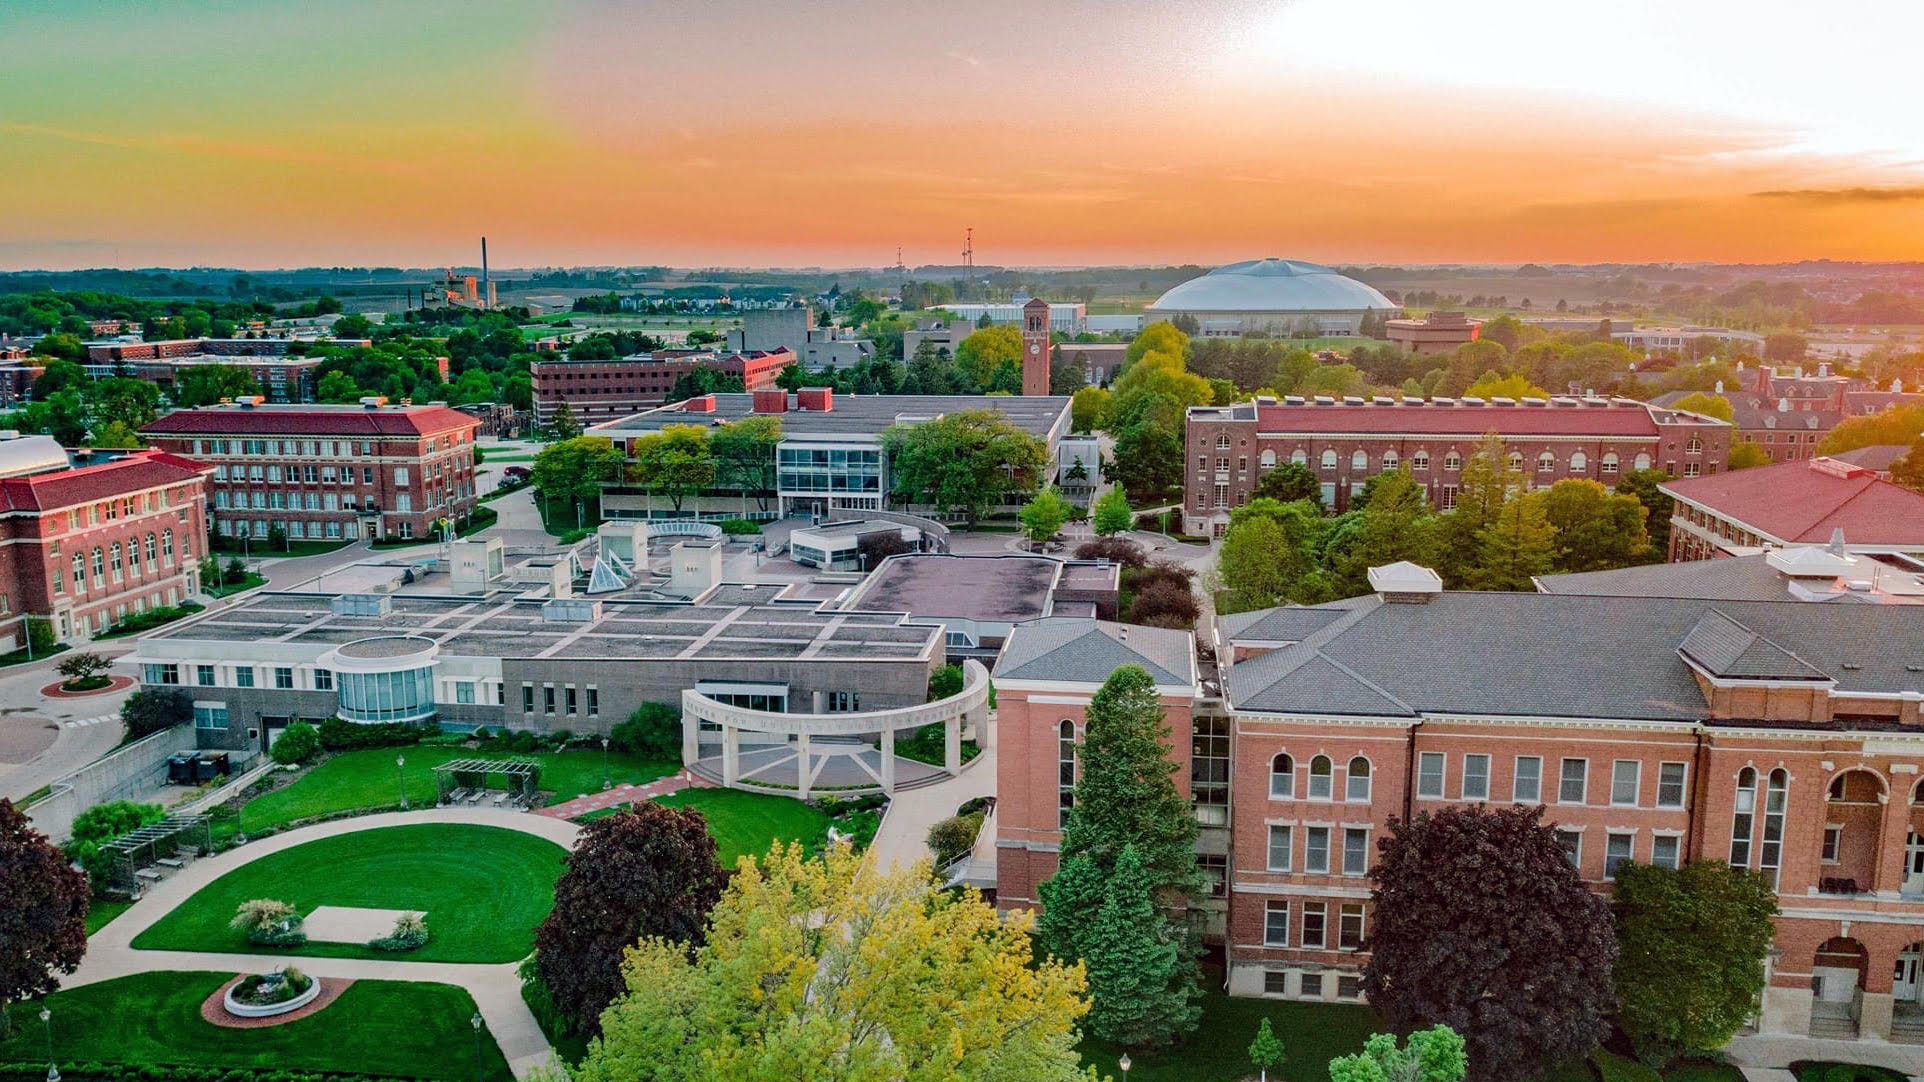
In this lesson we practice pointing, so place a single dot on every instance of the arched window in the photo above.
(1282, 777)
(1329, 459)
(1776, 803)
(1643, 461)
(153, 551)
(1743, 819)
(1608, 463)
(167, 545)
(1546, 463)
(1268, 459)
(1694, 446)
(113, 559)
(79, 571)
(1222, 443)
(1579, 462)
(1420, 461)
(100, 564)
(1516, 460)
(1299, 456)
(1356, 785)
(1065, 772)
(1389, 461)
(1359, 460)
(1452, 461)
(1321, 774)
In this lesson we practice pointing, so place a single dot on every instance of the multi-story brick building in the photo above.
(1783, 736)
(328, 472)
(85, 545)
(1793, 503)
(1788, 412)
(1346, 442)
(598, 391)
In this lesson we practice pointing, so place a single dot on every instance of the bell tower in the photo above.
(1035, 347)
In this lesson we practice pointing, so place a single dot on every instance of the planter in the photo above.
(251, 1010)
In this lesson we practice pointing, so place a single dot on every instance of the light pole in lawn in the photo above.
(400, 776)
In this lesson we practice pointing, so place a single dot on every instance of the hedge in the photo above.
(338, 735)
(150, 1072)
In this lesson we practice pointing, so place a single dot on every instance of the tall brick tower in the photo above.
(1035, 347)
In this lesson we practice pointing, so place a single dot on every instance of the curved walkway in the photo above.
(496, 988)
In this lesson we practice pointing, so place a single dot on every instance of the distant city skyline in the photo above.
(742, 133)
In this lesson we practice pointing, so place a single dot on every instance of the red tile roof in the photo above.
(1616, 419)
(310, 421)
(1802, 502)
(122, 476)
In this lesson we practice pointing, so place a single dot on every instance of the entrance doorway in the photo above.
(1914, 863)
(1904, 981)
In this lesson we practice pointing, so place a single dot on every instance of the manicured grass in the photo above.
(746, 824)
(929, 745)
(369, 779)
(376, 1027)
(1312, 1034)
(230, 547)
(483, 889)
(1827, 1071)
(39, 653)
(102, 910)
(247, 582)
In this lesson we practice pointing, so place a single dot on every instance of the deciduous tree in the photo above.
(965, 462)
(1266, 1051)
(1086, 408)
(152, 709)
(1693, 941)
(43, 911)
(1435, 1054)
(675, 462)
(1596, 529)
(1482, 924)
(1642, 484)
(574, 469)
(1517, 547)
(1111, 514)
(1289, 482)
(650, 871)
(745, 455)
(1042, 517)
(1744, 454)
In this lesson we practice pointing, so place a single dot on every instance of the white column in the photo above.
(731, 754)
(888, 760)
(803, 773)
(690, 738)
(952, 743)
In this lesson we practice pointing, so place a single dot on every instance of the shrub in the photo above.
(338, 735)
(561, 738)
(522, 742)
(653, 730)
(151, 710)
(101, 824)
(482, 734)
(269, 922)
(83, 672)
(1116, 550)
(297, 744)
(149, 1072)
(266, 989)
(953, 837)
(947, 681)
(739, 527)
(410, 933)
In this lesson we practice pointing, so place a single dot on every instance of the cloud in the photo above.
(970, 59)
(1833, 196)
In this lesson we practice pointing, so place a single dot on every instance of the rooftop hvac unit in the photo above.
(361, 605)
(571, 610)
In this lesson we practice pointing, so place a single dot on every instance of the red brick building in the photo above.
(1793, 503)
(1783, 736)
(598, 391)
(1788, 412)
(1433, 335)
(85, 546)
(328, 472)
(1346, 442)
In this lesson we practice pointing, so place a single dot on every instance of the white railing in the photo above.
(974, 696)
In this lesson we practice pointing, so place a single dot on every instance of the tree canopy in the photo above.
(675, 462)
(574, 469)
(1693, 941)
(967, 462)
(43, 909)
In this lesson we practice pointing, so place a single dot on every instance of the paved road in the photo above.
(495, 988)
(43, 739)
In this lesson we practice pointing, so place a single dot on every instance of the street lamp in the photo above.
(46, 1022)
(606, 782)
(476, 1022)
(1124, 1064)
(399, 762)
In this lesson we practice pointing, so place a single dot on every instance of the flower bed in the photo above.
(265, 995)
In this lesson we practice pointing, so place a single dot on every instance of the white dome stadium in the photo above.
(1276, 296)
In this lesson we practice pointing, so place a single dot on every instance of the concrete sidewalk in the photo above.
(902, 839)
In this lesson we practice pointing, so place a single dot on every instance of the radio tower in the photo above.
(968, 248)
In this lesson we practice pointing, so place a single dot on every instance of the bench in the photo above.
(170, 862)
(148, 874)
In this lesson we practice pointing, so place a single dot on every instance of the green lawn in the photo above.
(369, 779)
(745, 824)
(483, 889)
(248, 582)
(231, 547)
(1312, 1035)
(102, 910)
(376, 1027)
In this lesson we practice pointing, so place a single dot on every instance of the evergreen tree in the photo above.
(1396, 524)
(563, 426)
(1519, 545)
(1488, 481)
(1136, 964)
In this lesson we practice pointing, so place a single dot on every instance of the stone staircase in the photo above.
(1907, 1028)
(1833, 1028)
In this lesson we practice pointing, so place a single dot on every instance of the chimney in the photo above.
(771, 401)
(818, 399)
(700, 404)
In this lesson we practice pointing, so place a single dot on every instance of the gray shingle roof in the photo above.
(1086, 651)
(1728, 649)
(1737, 578)
(1556, 655)
(1291, 623)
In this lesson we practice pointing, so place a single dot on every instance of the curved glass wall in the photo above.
(407, 695)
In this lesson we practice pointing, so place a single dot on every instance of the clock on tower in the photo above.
(1035, 347)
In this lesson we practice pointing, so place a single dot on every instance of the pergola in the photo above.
(137, 849)
(522, 778)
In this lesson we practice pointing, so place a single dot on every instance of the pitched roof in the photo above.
(358, 421)
(1083, 651)
(1290, 623)
(1726, 648)
(1619, 418)
(121, 476)
(1876, 457)
(1804, 501)
(1736, 578)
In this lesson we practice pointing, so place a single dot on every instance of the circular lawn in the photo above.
(484, 889)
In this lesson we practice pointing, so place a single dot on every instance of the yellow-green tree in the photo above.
(1746, 453)
(676, 462)
(1897, 425)
(830, 971)
(1710, 405)
(1492, 385)
(982, 355)
(1086, 409)
(1158, 337)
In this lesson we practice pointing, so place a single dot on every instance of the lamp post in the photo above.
(606, 781)
(46, 1022)
(1124, 1064)
(401, 777)
(476, 1022)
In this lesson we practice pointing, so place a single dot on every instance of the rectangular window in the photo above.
(323, 680)
(1316, 850)
(1281, 838)
(571, 698)
(1209, 770)
(547, 698)
(1312, 986)
(1348, 987)
(1526, 786)
(1276, 924)
(1429, 775)
(210, 717)
(1215, 873)
(1833, 841)
(1670, 785)
(1476, 777)
(1349, 926)
(1314, 914)
(527, 698)
(243, 676)
(594, 702)
(1626, 777)
(1664, 849)
(1616, 850)
(1575, 781)
(1356, 851)
(1275, 982)
(464, 691)
(1572, 842)
(204, 675)
(283, 677)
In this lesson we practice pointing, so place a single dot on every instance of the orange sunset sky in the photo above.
(828, 132)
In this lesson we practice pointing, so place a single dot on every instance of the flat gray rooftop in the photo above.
(992, 589)
(852, 414)
(731, 621)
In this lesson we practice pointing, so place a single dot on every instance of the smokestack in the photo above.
(484, 270)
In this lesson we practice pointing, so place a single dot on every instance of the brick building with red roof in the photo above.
(85, 546)
(608, 390)
(328, 472)
(1345, 442)
(1793, 503)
